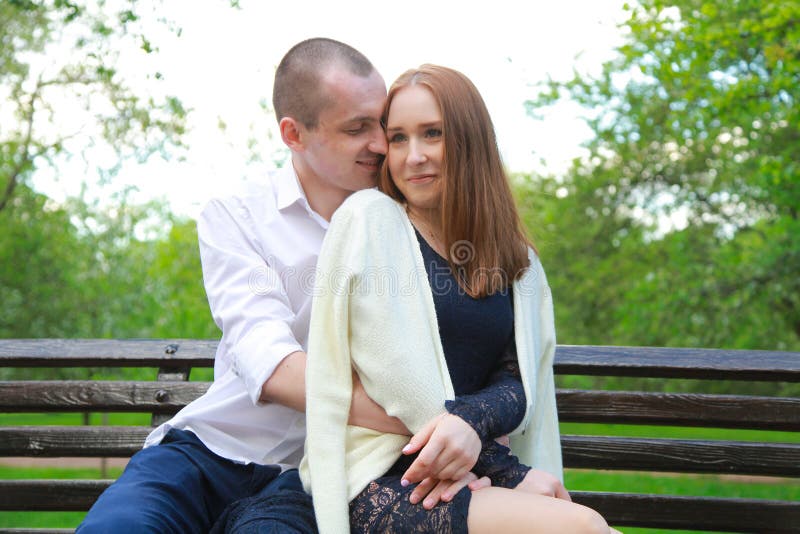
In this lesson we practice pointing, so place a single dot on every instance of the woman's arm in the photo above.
(498, 408)
(449, 447)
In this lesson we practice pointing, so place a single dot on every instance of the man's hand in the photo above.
(434, 490)
(543, 483)
(367, 413)
(449, 450)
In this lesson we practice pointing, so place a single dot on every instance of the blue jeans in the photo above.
(180, 486)
(281, 507)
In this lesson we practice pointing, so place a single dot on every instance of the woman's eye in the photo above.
(433, 132)
(397, 138)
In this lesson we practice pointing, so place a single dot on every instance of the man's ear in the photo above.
(292, 133)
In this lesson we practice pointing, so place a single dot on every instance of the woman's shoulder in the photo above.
(367, 204)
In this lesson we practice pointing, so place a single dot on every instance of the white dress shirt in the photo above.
(259, 253)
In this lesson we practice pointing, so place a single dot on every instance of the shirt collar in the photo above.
(290, 192)
(287, 185)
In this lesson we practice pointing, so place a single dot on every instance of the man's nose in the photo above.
(377, 143)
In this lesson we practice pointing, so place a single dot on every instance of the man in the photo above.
(258, 252)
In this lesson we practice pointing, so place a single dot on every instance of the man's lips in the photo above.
(370, 163)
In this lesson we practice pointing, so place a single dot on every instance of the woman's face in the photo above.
(416, 146)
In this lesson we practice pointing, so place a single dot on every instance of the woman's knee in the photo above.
(588, 521)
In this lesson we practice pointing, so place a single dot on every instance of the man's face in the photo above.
(345, 150)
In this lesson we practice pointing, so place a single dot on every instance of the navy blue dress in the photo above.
(477, 336)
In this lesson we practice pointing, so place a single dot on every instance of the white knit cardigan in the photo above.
(373, 312)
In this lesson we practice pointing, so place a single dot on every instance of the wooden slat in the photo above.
(107, 352)
(37, 530)
(709, 364)
(50, 495)
(593, 360)
(97, 396)
(74, 441)
(595, 452)
(695, 513)
(679, 409)
(167, 374)
(681, 455)
(622, 509)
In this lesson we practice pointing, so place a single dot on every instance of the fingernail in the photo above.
(413, 499)
(427, 503)
(404, 483)
(407, 448)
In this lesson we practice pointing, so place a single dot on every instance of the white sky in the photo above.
(222, 64)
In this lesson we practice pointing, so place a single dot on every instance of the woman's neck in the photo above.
(429, 223)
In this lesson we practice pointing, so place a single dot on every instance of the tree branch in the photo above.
(13, 178)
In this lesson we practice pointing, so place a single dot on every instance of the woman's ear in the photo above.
(292, 133)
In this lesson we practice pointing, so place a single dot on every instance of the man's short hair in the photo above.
(299, 91)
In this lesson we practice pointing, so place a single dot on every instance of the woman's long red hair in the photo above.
(483, 233)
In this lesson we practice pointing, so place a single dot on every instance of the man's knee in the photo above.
(285, 511)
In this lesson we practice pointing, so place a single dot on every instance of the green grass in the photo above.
(645, 431)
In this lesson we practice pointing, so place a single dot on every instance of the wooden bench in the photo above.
(174, 359)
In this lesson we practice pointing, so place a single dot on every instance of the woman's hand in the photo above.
(448, 449)
(543, 483)
(434, 490)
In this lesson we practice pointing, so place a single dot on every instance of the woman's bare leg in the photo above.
(504, 510)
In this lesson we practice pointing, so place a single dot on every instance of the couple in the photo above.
(457, 354)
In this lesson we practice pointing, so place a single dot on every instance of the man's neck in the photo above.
(322, 198)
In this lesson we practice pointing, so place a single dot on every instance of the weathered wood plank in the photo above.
(696, 513)
(37, 530)
(682, 456)
(709, 364)
(595, 452)
(622, 509)
(594, 360)
(107, 352)
(679, 409)
(726, 411)
(75, 441)
(96, 396)
(46, 495)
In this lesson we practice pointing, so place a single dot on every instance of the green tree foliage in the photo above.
(61, 92)
(78, 270)
(681, 226)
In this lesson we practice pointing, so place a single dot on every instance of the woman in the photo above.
(412, 294)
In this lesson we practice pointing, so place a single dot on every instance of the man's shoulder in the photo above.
(254, 194)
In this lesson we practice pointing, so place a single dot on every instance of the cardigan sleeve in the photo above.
(329, 380)
(539, 443)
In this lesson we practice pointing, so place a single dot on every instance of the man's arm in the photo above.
(286, 386)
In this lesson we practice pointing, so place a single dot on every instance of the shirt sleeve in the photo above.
(246, 295)
(498, 408)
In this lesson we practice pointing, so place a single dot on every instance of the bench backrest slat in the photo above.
(596, 452)
(679, 409)
(89, 395)
(624, 407)
(710, 364)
